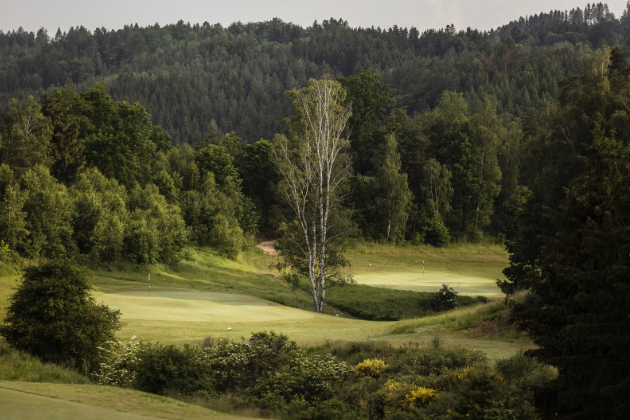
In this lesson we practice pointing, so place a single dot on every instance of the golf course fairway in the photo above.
(430, 282)
(471, 269)
(45, 401)
(181, 316)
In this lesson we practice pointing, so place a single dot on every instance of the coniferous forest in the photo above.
(135, 145)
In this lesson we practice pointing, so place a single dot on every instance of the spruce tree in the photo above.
(578, 308)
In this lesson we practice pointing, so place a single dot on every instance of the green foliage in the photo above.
(20, 366)
(26, 136)
(53, 317)
(170, 369)
(392, 195)
(4, 250)
(157, 232)
(100, 216)
(120, 364)
(435, 233)
(576, 311)
(48, 216)
(444, 299)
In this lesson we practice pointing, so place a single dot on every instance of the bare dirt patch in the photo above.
(268, 247)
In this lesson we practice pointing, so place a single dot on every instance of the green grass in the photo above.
(180, 316)
(19, 366)
(204, 296)
(382, 304)
(472, 269)
(205, 271)
(207, 294)
(43, 401)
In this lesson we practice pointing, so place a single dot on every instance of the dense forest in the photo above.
(113, 104)
(194, 79)
(133, 145)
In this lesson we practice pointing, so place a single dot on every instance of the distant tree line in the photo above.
(200, 78)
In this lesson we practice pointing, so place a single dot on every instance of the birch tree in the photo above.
(314, 167)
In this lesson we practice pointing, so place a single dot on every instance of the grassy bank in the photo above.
(472, 269)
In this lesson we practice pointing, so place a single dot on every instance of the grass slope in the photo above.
(382, 304)
(205, 295)
(44, 401)
(472, 269)
(180, 316)
(205, 271)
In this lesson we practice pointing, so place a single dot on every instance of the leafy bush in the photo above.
(310, 379)
(372, 368)
(242, 365)
(422, 397)
(52, 316)
(444, 299)
(119, 366)
(170, 369)
(4, 250)
(436, 234)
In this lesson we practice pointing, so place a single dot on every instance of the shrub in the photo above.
(372, 368)
(170, 369)
(394, 396)
(436, 234)
(52, 316)
(242, 365)
(4, 250)
(119, 366)
(422, 397)
(311, 379)
(444, 299)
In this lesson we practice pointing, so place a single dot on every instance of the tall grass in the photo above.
(378, 248)
(19, 366)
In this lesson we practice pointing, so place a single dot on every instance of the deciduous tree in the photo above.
(314, 166)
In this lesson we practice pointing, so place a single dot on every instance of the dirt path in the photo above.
(268, 247)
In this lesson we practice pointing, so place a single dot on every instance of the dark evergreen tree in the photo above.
(578, 308)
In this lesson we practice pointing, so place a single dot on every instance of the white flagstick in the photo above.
(149, 282)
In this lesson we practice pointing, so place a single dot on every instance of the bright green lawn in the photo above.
(179, 316)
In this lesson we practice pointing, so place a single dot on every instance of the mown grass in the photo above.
(474, 260)
(244, 296)
(44, 401)
(204, 271)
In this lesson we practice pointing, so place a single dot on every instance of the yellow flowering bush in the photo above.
(372, 368)
(422, 397)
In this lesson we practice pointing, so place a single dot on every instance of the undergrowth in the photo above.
(19, 366)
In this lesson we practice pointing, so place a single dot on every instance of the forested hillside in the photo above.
(191, 75)
(162, 125)
(139, 144)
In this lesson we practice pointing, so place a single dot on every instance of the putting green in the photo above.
(43, 401)
(176, 316)
(198, 306)
(430, 282)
